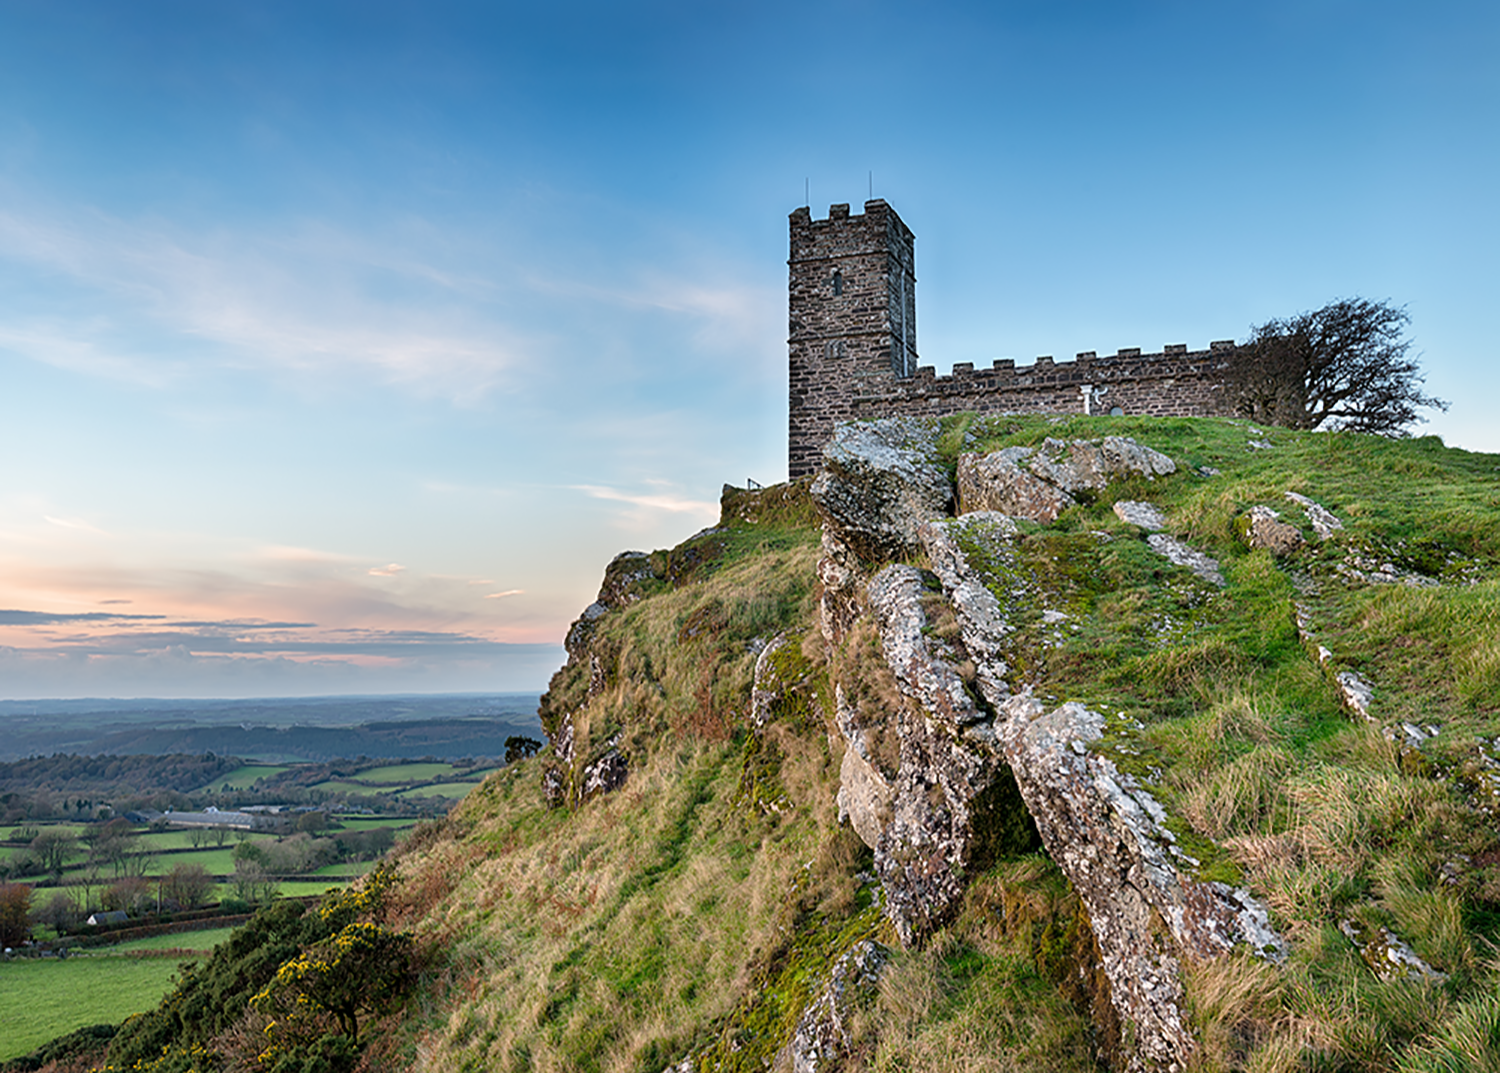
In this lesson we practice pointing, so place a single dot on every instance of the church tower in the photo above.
(853, 319)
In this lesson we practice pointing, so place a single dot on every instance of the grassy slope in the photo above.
(665, 918)
(694, 911)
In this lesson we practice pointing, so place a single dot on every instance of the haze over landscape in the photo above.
(342, 345)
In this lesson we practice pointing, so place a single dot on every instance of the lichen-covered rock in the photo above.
(1040, 483)
(1183, 555)
(1089, 465)
(895, 601)
(1262, 527)
(979, 613)
(839, 578)
(824, 1036)
(623, 578)
(1109, 836)
(605, 774)
(1387, 956)
(880, 480)
(865, 792)
(999, 482)
(576, 640)
(1145, 515)
(1324, 522)
(766, 687)
(945, 779)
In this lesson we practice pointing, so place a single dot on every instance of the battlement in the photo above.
(1004, 371)
(853, 352)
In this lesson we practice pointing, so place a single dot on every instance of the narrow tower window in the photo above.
(838, 282)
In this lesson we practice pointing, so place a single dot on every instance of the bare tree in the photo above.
(1345, 366)
(52, 848)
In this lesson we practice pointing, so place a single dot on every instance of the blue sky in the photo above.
(341, 344)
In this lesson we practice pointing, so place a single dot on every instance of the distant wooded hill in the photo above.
(300, 729)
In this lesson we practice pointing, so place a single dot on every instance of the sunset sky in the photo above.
(342, 344)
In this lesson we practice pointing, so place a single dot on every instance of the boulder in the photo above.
(866, 783)
(1262, 527)
(1040, 483)
(880, 480)
(999, 482)
(1089, 465)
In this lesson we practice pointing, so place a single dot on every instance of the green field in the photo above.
(245, 777)
(203, 940)
(454, 791)
(345, 870)
(302, 888)
(343, 786)
(399, 773)
(41, 999)
(365, 823)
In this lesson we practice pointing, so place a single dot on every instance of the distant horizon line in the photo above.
(306, 697)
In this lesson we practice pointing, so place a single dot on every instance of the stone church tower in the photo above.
(853, 320)
(853, 348)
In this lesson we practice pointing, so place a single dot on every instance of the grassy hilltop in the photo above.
(692, 915)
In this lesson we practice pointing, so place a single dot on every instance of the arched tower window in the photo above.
(838, 282)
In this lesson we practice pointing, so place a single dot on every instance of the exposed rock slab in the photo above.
(1386, 954)
(979, 613)
(1183, 555)
(1091, 464)
(1108, 835)
(923, 853)
(824, 1036)
(1324, 522)
(1144, 515)
(880, 480)
(895, 600)
(866, 792)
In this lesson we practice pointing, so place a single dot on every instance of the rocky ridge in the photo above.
(970, 749)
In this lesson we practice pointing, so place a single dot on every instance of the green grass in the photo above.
(450, 790)
(41, 999)
(301, 888)
(404, 773)
(365, 823)
(244, 777)
(206, 939)
(345, 786)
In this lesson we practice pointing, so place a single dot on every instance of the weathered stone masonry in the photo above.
(853, 347)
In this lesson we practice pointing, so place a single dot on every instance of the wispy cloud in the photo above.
(70, 523)
(503, 595)
(309, 299)
(662, 501)
(389, 570)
